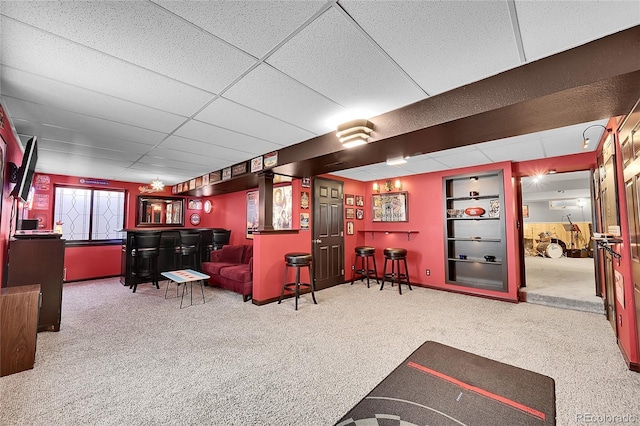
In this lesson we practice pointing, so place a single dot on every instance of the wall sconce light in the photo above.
(354, 132)
(585, 139)
(397, 185)
(376, 187)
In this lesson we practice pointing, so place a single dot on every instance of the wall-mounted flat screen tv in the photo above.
(26, 170)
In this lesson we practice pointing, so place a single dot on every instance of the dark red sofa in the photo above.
(232, 268)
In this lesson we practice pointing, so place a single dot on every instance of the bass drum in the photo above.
(551, 250)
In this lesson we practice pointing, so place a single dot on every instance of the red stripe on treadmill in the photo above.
(507, 401)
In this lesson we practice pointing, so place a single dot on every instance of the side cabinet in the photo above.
(18, 327)
(475, 231)
(40, 261)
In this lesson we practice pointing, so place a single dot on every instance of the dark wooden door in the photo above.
(328, 238)
(610, 216)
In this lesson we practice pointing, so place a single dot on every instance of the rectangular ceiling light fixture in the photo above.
(396, 161)
(354, 132)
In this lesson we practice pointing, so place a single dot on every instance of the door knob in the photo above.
(318, 241)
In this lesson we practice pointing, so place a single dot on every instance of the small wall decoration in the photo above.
(359, 214)
(306, 182)
(256, 164)
(282, 207)
(304, 200)
(494, 208)
(205, 180)
(42, 182)
(304, 221)
(349, 199)
(525, 210)
(174, 189)
(40, 202)
(360, 200)
(215, 176)
(350, 213)
(195, 204)
(192, 184)
(195, 219)
(349, 228)
(239, 169)
(226, 173)
(270, 160)
(390, 207)
(199, 182)
(208, 206)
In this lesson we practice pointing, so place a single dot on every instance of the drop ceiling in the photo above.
(138, 90)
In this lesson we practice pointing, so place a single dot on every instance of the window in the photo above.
(89, 214)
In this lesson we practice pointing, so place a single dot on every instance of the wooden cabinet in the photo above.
(40, 260)
(18, 328)
(475, 231)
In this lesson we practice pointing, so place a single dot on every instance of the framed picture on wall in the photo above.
(252, 213)
(349, 199)
(349, 228)
(359, 214)
(359, 200)
(350, 213)
(391, 207)
(525, 210)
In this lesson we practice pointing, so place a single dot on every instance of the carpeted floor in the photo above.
(136, 359)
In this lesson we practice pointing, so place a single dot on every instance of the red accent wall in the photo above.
(84, 263)
(11, 152)
(228, 211)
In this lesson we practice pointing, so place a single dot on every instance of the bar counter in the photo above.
(169, 241)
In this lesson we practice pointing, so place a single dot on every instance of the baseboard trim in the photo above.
(93, 278)
(275, 299)
(633, 366)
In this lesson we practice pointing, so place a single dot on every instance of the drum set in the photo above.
(547, 246)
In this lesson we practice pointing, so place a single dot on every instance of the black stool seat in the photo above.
(396, 255)
(364, 253)
(301, 259)
(297, 260)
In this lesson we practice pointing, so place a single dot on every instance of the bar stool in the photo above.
(189, 250)
(364, 253)
(145, 252)
(395, 255)
(297, 260)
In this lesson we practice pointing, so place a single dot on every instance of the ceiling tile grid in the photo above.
(164, 44)
(332, 57)
(441, 45)
(239, 118)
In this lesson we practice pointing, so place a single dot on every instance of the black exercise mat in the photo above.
(441, 385)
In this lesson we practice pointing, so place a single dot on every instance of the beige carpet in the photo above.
(136, 359)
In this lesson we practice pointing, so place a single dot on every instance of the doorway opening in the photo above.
(558, 250)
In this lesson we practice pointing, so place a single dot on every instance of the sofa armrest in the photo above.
(215, 255)
(251, 266)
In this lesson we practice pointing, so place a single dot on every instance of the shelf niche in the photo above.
(475, 228)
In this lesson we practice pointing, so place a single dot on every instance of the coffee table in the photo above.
(184, 276)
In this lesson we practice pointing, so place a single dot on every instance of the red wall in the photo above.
(11, 152)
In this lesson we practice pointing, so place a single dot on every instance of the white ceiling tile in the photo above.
(268, 90)
(441, 44)
(216, 135)
(423, 164)
(43, 118)
(470, 158)
(556, 145)
(161, 170)
(247, 25)
(163, 43)
(54, 94)
(548, 27)
(207, 149)
(205, 159)
(28, 49)
(230, 115)
(515, 151)
(334, 58)
(87, 151)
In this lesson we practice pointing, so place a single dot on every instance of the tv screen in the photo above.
(26, 170)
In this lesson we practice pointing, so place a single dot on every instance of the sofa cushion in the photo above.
(248, 254)
(241, 273)
(231, 254)
(213, 268)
